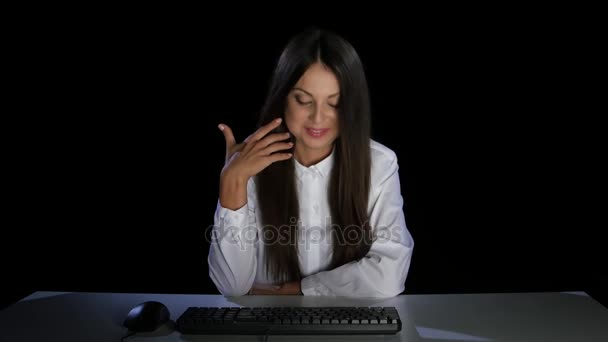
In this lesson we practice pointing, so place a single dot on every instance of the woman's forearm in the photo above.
(233, 191)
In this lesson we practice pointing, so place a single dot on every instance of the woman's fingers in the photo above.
(264, 289)
(276, 147)
(262, 292)
(255, 154)
(262, 131)
(229, 137)
(271, 139)
(259, 139)
(278, 157)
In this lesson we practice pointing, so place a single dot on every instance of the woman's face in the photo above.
(311, 114)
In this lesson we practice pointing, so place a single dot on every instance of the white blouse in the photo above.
(236, 255)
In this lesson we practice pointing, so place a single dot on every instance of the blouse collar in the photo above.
(322, 168)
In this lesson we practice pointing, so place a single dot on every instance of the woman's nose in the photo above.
(317, 115)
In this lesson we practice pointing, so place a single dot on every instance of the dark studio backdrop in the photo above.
(499, 152)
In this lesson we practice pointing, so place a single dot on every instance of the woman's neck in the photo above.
(308, 157)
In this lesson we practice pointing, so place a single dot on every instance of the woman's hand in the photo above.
(290, 288)
(247, 159)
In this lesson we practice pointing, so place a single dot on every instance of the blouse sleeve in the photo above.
(232, 253)
(383, 271)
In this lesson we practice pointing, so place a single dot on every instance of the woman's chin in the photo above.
(315, 144)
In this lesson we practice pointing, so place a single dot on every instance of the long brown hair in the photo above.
(350, 176)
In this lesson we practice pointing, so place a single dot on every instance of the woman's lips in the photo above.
(316, 133)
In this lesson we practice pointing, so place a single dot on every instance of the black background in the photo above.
(116, 155)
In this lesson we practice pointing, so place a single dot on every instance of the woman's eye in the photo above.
(302, 102)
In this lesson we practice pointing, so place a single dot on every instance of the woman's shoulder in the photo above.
(381, 155)
(383, 163)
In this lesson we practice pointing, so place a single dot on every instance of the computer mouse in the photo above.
(147, 316)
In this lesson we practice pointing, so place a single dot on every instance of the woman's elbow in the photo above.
(389, 289)
(234, 291)
(396, 275)
(229, 288)
(234, 280)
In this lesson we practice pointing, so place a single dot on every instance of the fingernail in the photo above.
(287, 134)
(221, 127)
(278, 120)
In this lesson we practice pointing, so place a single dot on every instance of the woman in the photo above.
(309, 204)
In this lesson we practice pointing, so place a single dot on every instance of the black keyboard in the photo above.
(289, 320)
